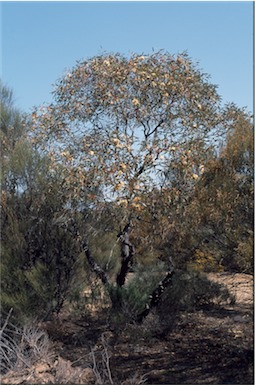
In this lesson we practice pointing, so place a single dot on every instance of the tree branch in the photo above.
(156, 296)
(94, 266)
(154, 129)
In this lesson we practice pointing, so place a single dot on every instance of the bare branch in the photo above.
(94, 266)
(6, 321)
(156, 295)
(154, 129)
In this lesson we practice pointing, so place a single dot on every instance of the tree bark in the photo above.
(127, 253)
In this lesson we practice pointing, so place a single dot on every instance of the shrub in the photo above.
(21, 347)
(131, 299)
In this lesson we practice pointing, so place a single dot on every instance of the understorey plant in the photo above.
(118, 290)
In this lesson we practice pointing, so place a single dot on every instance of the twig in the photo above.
(104, 365)
(106, 359)
(6, 321)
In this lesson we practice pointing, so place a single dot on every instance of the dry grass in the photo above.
(21, 348)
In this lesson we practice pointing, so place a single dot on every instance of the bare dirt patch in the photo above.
(241, 285)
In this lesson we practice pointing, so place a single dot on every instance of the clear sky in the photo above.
(41, 40)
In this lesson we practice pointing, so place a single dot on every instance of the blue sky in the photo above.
(41, 40)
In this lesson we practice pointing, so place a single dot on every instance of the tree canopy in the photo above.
(120, 122)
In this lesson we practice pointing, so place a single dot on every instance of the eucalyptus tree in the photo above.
(118, 124)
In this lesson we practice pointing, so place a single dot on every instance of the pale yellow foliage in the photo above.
(202, 168)
(137, 206)
(116, 142)
(122, 202)
(119, 186)
(123, 166)
(135, 102)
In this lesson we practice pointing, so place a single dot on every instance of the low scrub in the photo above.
(22, 347)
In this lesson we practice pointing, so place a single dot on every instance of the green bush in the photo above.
(130, 299)
(37, 252)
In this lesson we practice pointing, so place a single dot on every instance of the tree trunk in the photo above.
(127, 253)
